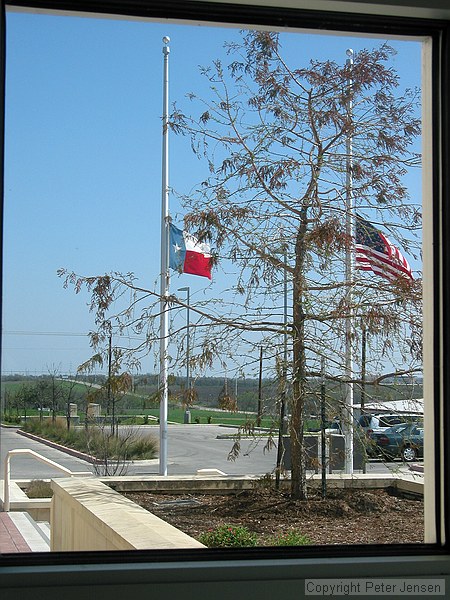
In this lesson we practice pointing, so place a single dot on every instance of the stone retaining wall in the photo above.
(86, 514)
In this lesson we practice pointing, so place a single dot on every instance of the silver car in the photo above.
(378, 423)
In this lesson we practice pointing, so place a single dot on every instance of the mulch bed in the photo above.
(344, 517)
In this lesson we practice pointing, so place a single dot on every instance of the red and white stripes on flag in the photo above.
(187, 254)
(374, 252)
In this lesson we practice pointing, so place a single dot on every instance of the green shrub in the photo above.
(143, 448)
(289, 538)
(39, 489)
(97, 441)
(11, 419)
(228, 536)
(72, 436)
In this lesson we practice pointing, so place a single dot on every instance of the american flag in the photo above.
(374, 252)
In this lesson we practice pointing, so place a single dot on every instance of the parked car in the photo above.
(403, 441)
(334, 428)
(377, 423)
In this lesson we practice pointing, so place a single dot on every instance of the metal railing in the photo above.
(26, 451)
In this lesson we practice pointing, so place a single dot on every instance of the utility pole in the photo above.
(322, 429)
(111, 400)
(258, 418)
(363, 381)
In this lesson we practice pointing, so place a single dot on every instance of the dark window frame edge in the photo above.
(438, 31)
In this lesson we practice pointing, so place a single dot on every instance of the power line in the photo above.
(65, 334)
(57, 333)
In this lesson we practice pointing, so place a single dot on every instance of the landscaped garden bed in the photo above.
(97, 441)
(344, 517)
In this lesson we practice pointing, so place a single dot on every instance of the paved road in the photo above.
(193, 447)
(190, 447)
(23, 467)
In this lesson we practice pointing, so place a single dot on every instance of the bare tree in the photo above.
(68, 389)
(116, 385)
(54, 391)
(274, 138)
(25, 397)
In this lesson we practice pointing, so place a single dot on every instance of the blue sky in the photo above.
(83, 163)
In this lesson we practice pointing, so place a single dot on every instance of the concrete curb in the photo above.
(217, 484)
(71, 451)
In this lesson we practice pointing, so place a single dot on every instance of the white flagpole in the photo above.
(165, 277)
(349, 268)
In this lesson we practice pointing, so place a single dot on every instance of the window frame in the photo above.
(437, 31)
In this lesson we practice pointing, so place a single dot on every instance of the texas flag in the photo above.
(187, 254)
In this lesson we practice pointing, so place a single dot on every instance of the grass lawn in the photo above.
(204, 415)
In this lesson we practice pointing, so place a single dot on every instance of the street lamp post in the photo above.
(188, 382)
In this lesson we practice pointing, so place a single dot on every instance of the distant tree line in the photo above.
(50, 394)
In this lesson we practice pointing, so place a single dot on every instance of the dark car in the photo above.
(378, 423)
(403, 441)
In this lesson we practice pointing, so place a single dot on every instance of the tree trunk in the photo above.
(298, 464)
